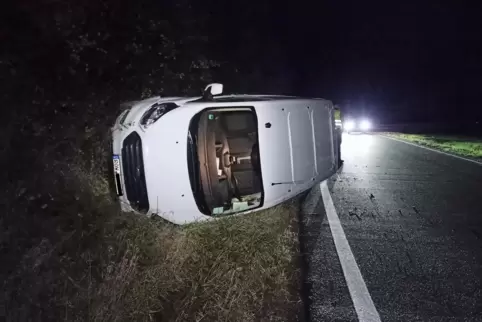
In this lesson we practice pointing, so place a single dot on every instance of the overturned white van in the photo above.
(190, 159)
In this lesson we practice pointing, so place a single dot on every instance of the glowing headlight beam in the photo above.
(365, 125)
(349, 125)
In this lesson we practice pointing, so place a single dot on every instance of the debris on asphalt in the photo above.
(372, 196)
(415, 209)
(409, 257)
(400, 211)
(354, 213)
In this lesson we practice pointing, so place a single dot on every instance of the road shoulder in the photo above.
(325, 291)
(429, 145)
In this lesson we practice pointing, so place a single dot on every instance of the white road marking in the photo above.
(434, 150)
(362, 301)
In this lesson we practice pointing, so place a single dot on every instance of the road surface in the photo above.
(413, 221)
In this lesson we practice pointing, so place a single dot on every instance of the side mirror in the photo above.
(214, 89)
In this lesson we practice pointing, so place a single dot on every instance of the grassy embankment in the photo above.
(459, 145)
(69, 254)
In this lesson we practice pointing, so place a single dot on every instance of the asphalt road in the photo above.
(413, 220)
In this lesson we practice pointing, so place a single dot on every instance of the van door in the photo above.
(323, 134)
(300, 132)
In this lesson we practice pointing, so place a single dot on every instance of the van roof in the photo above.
(248, 98)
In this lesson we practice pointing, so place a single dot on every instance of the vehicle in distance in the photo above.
(190, 159)
(357, 124)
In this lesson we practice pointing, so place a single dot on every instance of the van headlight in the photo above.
(123, 116)
(155, 112)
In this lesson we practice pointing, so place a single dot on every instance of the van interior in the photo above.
(224, 165)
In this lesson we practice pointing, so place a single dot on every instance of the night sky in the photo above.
(401, 61)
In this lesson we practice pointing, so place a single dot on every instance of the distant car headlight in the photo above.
(349, 125)
(365, 125)
(155, 112)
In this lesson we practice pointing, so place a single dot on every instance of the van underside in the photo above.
(223, 160)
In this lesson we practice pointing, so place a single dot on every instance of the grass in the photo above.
(112, 266)
(459, 145)
(69, 254)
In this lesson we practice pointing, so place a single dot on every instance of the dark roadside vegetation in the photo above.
(463, 145)
(67, 253)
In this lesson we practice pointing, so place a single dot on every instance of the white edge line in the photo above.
(362, 301)
(431, 149)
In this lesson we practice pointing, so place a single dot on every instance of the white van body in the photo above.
(296, 148)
